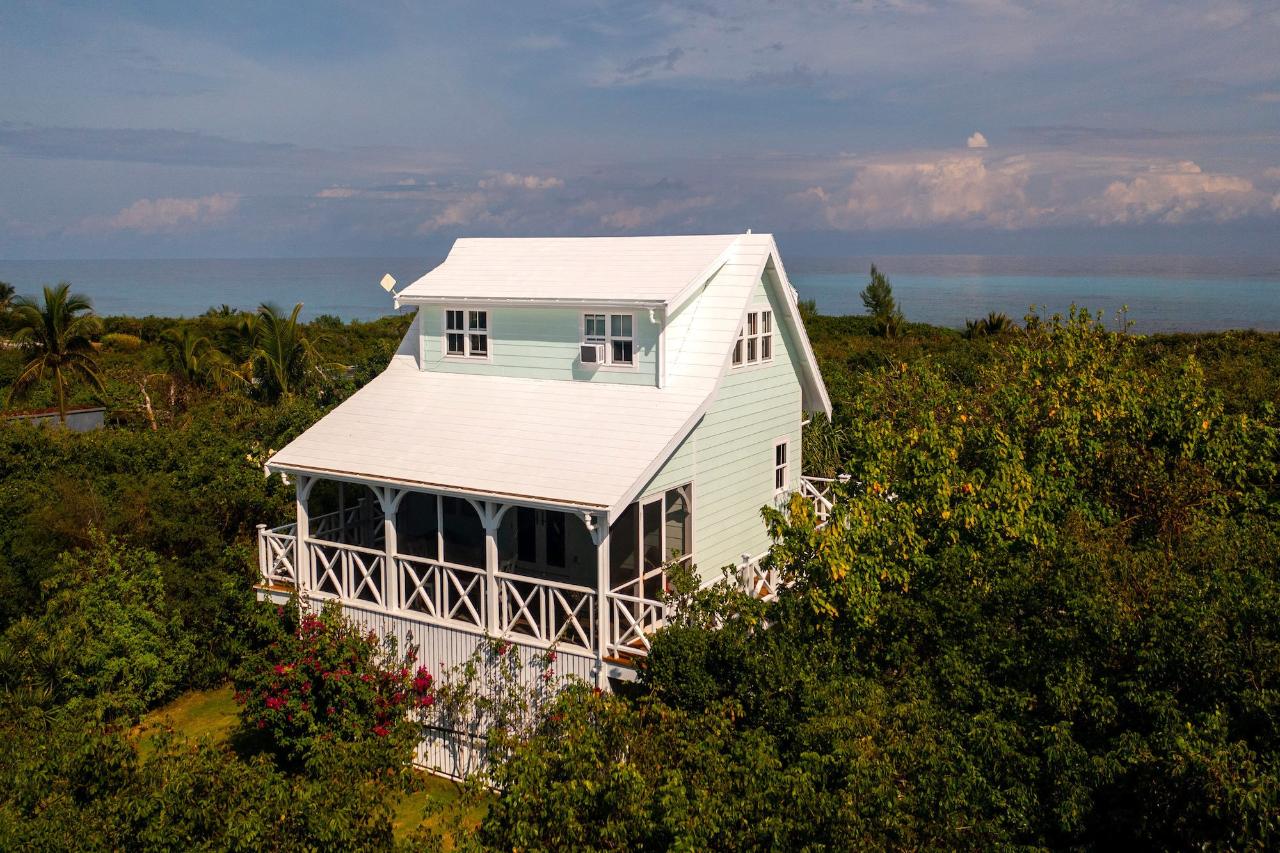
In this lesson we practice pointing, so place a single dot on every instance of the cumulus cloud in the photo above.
(977, 140)
(946, 189)
(500, 200)
(1175, 193)
(164, 215)
(632, 217)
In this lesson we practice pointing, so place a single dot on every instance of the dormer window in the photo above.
(609, 339)
(466, 333)
(755, 339)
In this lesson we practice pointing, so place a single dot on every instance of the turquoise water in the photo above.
(1162, 293)
(1155, 304)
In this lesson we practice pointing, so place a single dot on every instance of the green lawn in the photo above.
(213, 714)
(200, 713)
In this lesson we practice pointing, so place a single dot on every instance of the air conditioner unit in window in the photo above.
(592, 353)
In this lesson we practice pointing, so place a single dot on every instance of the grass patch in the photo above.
(200, 713)
(411, 810)
(214, 714)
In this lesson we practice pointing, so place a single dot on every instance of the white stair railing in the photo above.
(632, 620)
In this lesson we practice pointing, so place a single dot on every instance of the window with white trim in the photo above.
(466, 333)
(621, 341)
(780, 479)
(755, 339)
(615, 332)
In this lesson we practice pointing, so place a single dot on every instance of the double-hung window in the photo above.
(613, 331)
(466, 333)
(621, 341)
(755, 339)
(780, 478)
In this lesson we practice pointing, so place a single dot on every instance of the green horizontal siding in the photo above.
(729, 455)
(538, 343)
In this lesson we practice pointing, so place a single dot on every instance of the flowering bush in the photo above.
(323, 678)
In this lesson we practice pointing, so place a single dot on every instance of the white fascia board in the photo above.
(810, 365)
(447, 491)
(533, 301)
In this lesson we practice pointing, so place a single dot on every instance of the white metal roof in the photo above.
(592, 445)
(651, 270)
(577, 443)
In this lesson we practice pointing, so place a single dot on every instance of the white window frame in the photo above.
(754, 344)
(467, 331)
(608, 338)
(782, 468)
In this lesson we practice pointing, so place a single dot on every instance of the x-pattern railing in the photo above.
(276, 555)
(347, 571)
(632, 620)
(545, 610)
(443, 591)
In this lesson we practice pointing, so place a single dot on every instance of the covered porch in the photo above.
(539, 574)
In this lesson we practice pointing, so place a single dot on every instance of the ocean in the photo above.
(1161, 293)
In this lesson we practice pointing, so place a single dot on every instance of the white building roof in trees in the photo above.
(645, 270)
(591, 445)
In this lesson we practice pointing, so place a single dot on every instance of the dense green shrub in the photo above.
(1045, 614)
(321, 679)
(105, 638)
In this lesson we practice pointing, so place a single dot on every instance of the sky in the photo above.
(161, 129)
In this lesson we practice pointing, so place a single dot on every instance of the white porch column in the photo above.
(599, 528)
(491, 513)
(389, 499)
(301, 556)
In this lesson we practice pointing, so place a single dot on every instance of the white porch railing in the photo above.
(276, 558)
(760, 582)
(820, 491)
(444, 591)
(632, 621)
(536, 610)
(347, 571)
(546, 610)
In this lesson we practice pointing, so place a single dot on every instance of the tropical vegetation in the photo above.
(1045, 614)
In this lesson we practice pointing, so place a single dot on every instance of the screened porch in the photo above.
(542, 575)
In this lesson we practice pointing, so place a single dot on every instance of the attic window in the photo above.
(466, 333)
(755, 339)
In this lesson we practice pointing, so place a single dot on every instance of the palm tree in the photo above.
(6, 296)
(284, 357)
(56, 336)
(995, 323)
(191, 357)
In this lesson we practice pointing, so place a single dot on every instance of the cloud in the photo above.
(499, 201)
(508, 180)
(798, 76)
(976, 141)
(163, 147)
(944, 190)
(1176, 193)
(644, 66)
(1266, 97)
(166, 215)
(642, 216)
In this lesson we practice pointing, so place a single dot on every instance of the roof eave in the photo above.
(575, 302)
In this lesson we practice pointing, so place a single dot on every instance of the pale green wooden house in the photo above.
(565, 419)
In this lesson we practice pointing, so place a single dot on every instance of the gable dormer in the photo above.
(648, 311)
